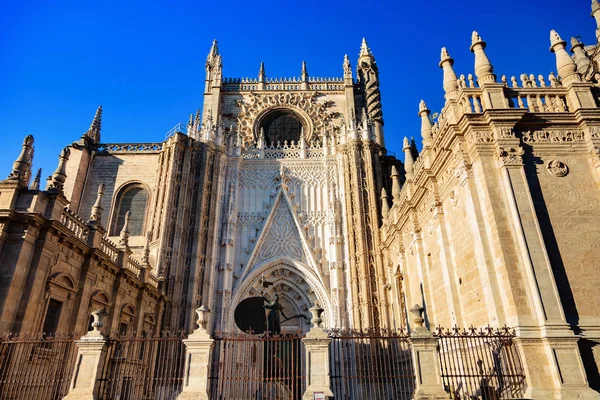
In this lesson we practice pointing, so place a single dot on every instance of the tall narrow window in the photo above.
(132, 198)
(52, 317)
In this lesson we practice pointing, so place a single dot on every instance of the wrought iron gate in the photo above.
(258, 367)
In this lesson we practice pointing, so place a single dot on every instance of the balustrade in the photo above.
(74, 223)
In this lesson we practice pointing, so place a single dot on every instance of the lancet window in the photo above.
(132, 198)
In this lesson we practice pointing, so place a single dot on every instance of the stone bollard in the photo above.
(316, 343)
(199, 347)
(90, 358)
(428, 377)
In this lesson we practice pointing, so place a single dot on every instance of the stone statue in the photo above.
(273, 319)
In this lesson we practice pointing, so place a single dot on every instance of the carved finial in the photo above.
(21, 166)
(418, 320)
(214, 50)
(146, 251)
(57, 180)
(483, 67)
(261, 72)
(93, 134)
(575, 42)
(36, 181)
(385, 207)
(124, 235)
(99, 317)
(450, 85)
(579, 56)
(565, 65)
(395, 184)
(316, 312)
(97, 207)
(365, 50)
(202, 313)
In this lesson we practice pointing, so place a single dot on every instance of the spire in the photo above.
(36, 181)
(190, 126)
(413, 149)
(93, 134)
(581, 59)
(395, 184)
(425, 123)
(23, 162)
(97, 207)
(596, 14)
(304, 73)
(483, 67)
(261, 72)
(567, 69)
(57, 180)
(214, 68)
(385, 207)
(347, 71)
(214, 51)
(365, 50)
(124, 235)
(450, 85)
(408, 158)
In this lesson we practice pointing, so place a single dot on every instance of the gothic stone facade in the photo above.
(495, 221)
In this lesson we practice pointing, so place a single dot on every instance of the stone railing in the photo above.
(470, 100)
(74, 223)
(313, 83)
(286, 150)
(153, 280)
(110, 249)
(537, 99)
(133, 265)
(121, 148)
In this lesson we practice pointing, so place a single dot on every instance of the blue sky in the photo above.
(144, 61)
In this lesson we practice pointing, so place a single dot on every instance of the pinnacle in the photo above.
(574, 42)
(97, 121)
(445, 55)
(406, 144)
(214, 49)
(555, 38)
(423, 106)
(364, 49)
(475, 38)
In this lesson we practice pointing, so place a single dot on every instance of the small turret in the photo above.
(484, 71)
(581, 59)
(567, 69)
(262, 76)
(395, 184)
(304, 76)
(408, 158)
(450, 84)
(385, 207)
(425, 123)
(93, 134)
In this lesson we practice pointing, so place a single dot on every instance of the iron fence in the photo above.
(374, 365)
(149, 368)
(258, 367)
(480, 363)
(36, 367)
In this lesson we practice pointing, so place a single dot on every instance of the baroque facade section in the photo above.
(285, 187)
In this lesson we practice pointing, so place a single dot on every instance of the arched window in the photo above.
(281, 125)
(132, 198)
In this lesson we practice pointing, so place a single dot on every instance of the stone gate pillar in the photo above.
(428, 378)
(316, 343)
(198, 358)
(91, 351)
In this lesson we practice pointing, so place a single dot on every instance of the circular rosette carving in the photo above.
(557, 168)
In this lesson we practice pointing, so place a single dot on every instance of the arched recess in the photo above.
(135, 198)
(293, 280)
(291, 110)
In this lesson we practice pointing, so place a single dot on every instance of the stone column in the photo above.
(428, 379)
(199, 347)
(317, 358)
(90, 358)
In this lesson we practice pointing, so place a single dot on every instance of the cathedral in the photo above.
(285, 187)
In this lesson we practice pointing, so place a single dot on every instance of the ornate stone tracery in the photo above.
(307, 105)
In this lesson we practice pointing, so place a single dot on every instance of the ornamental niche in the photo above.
(306, 105)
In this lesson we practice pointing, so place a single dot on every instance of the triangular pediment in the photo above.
(281, 237)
